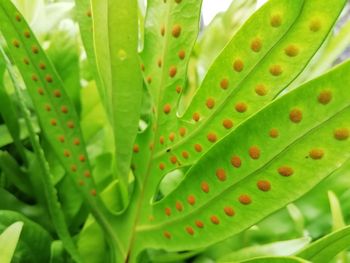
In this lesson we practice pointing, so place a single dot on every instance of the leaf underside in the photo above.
(272, 159)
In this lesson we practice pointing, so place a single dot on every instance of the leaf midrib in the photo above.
(143, 228)
(145, 182)
(197, 129)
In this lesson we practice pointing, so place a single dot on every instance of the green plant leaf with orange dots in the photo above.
(258, 168)
(203, 167)
(55, 111)
(51, 201)
(262, 59)
(171, 28)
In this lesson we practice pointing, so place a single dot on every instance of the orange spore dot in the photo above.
(205, 187)
(285, 171)
(245, 199)
(264, 185)
(215, 220)
(254, 152)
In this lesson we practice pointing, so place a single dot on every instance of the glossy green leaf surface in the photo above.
(327, 247)
(171, 28)
(34, 242)
(282, 248)
(258, 169)
(8, 241)
(84, 17)
(276, 260)
(220, 30)
(181, 151)
(278, 41)
(55, 110)
(50, 196)
(118, 62)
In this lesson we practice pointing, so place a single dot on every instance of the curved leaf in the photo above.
(58, 118)
(51, 201)
(262, 59)
(55, 111)
(276, 260)
(8, 241)
(34, 242)
(281, 248)
(118, 63)
(219, 32)
(84, 15)
(259, 168)
(326, 248)
(171, 28)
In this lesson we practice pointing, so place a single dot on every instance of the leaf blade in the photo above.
(259, 187)
(8, 241)
(327, 247)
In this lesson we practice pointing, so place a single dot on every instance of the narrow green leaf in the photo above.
(275, 260)
(219, 32)
(333, 50)
(337, 214)
(34, 243)
(258, 168)
(297, 217)
(84, 17)
(8, 241)
(55, 111)
(126, 81)
(122, 77)
(54, 208)
(327, 247)
(281, 248)
(338, 220)
(171, 28)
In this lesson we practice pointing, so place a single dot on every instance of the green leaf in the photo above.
(118, 63)
(64, 53)
(297, 217)
(337, 214)
(261, 60)
(338, 220)
(6, 137)
(91, 243)
(57, 116)
(327, 247)
(55, 111)
(34, 243)
(83, 16)
(171, 28)
(33, 212)
(281, 248)
(13, 172)
(336, 46)
(276, 260)
(219, 32)
(8, 241)
(9, 114)
(44, 170)
(258, 168)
